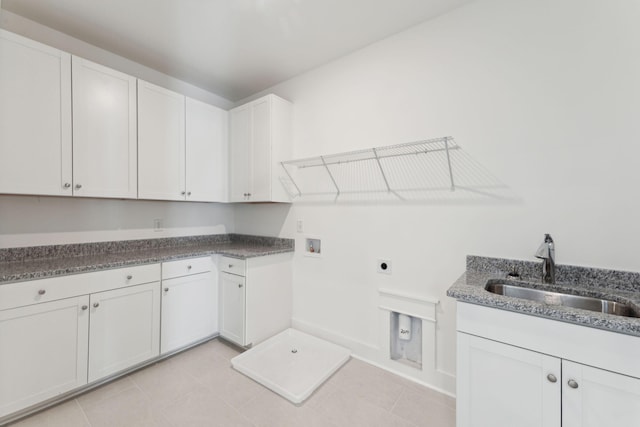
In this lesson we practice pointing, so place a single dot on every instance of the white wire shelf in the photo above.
(409, 171)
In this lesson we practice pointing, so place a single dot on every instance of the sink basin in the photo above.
(557, 298)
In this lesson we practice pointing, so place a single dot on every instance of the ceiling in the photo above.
(233, 48)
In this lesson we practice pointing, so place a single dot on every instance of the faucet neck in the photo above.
(547, 253)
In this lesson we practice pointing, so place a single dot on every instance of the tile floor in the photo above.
(199, 388)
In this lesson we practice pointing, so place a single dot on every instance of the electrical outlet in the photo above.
(384, 266)
(299, 226)
(157, 224)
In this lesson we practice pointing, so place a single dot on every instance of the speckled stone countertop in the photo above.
(613, 285)
(20, 264)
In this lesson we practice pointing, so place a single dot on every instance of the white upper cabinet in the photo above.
(104, 131)
(182, 147)
(128, 138)
(161, 143)
(260, 138)
(35, 117)
(206, 152)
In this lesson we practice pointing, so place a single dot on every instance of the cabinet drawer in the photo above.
(185, 267)
(232, 265)
(36, 291)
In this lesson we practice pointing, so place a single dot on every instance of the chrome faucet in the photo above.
(547, 253)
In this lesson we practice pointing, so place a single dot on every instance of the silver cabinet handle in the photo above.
(66, 185)
(96, 304)
(78, 186)
(239, 285)
(552, 378)
(230, 265)
(129, 277)
(166, 289)
(572, 383)
(42, 292)
(84, 307)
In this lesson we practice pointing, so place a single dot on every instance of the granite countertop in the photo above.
(21, 264)
(614, 285)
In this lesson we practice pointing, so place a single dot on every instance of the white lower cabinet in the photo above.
(124, 328)
(499, 383)
(189, 302)
(59, 334)
(232, 309)
(255, 298)
(600, 398)
(520, 372)
(43, 352)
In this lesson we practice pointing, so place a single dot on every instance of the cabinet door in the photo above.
(43, 352)
(189, 310)
(35, 117)
(239, 154)
(499, 385)
(598, 397)
(124, 328)
(232, 308)
(104, 131)
(268, 297)
(161, 143)
(206, 145)
(260, 152)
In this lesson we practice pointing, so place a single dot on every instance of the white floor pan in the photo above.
(292, 363)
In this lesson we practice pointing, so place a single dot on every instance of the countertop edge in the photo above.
(132, 259)
(469, 288)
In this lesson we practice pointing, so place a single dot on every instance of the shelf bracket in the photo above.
(291, 179)
(330, 175)
(384, 176)
(446, 148)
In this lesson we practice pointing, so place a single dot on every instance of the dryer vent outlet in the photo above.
(384, 266)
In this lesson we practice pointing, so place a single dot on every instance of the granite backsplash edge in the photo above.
(567, 274)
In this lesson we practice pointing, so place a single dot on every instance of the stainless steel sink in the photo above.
(567, 300)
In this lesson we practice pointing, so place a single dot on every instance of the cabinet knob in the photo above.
(183, 192)
(188, 267)
(166, 289)
(188, 193)
(42, 292)
(239, 285)
(572, 383)
(84, 307)
(129, 277)
(230, 265)
(78, 186)
(96, 304)
(66, 185)
(552, 378)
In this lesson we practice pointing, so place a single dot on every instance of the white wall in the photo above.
(33, 220)
(29, 220)
(544, 93)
